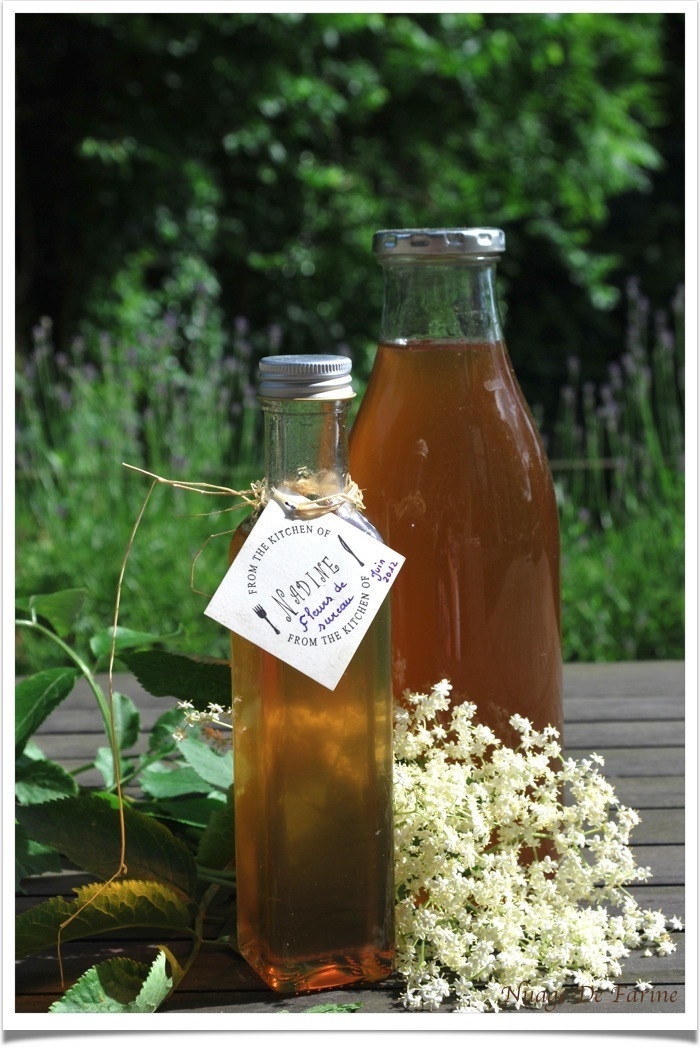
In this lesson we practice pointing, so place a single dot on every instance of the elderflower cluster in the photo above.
(214, 723)
(500, 884)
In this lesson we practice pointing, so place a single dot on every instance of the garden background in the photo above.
(197, 190)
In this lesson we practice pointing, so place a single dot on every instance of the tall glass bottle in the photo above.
(313, 767)
(455, 476)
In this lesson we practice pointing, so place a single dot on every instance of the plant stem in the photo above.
(217, 877)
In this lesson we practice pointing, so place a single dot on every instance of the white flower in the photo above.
(476, 916)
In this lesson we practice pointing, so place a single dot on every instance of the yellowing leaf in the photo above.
(105, 908)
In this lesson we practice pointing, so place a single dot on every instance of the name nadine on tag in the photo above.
(306, 591)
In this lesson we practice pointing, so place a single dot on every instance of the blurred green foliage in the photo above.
(257, 153)
(195, 190)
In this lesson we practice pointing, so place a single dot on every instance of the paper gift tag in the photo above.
(306, 591)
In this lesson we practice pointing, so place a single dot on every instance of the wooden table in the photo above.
(631, 713)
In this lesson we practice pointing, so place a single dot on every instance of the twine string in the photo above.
(260, 493)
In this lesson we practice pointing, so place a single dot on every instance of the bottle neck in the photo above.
(440, 300)
(306, 446)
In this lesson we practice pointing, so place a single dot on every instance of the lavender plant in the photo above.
(619, 456)
(176, 398)
(619, 446)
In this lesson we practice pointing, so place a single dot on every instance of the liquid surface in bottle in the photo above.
(313, 807)
(455, 478)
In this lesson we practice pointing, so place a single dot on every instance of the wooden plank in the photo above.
(649, 792)
(659, 827)
(655, 678)
(629, 733)
(669, 899)
(667, 863)
(79, 747)
(602, 709)
(66, 720)
(635, 761)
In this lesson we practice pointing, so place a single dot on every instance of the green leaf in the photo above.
(120, 905)
(351, 1007)
(109, 987)
(216, 769)
(101, 642)
(196, 678)
(40, 781)
(37, 696)
(31, 857)
(217, 848)
(118, 985)
(190, 812)
(61, 609)
(127, 721)
(86, 829)
(173, 782)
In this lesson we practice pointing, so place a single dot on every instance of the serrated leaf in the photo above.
(86, 829)
(217, 847)
(40, 781)
(216, 769)
(126, 904)
(61, 609)
(199, 679)
(31, 857)
(156, 988)
(37, 696)
(101, 642)
(172, 783)
(109, 987)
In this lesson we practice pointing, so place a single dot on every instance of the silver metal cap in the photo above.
(306, 376)
(476, 241)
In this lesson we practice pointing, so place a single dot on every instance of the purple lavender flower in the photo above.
(615, 375)
(64, 398)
